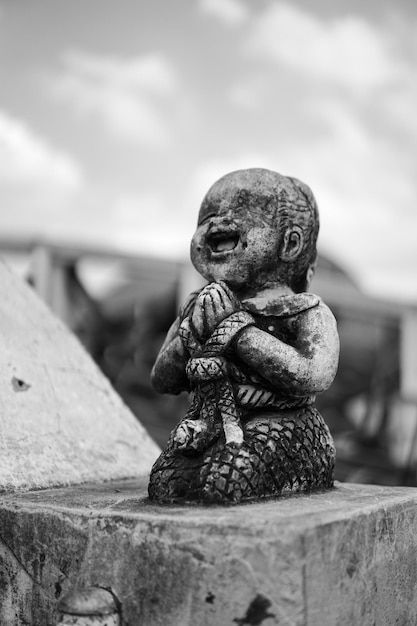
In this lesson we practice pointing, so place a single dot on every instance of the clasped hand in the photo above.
(214, 303)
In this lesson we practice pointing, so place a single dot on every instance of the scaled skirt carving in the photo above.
(252, 348)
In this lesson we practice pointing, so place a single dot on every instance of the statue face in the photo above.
(236, 240)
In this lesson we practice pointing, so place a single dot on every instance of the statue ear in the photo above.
(292, 244)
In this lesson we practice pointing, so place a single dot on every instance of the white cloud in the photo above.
(346, 50)
(145, 223)
(230, 12)
(366, 199)
(246, 95)
(148, 74)
(27, 158)
(126, 94)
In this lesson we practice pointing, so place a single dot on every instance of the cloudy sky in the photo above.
(117, 115)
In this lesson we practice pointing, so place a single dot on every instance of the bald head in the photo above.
(269, 197)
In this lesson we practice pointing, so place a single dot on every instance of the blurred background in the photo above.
(116, 117)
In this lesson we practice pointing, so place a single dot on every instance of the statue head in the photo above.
(257, 228)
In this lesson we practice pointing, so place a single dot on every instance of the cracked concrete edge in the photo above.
(220, 566)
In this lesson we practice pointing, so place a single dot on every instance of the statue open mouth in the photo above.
(222, 241)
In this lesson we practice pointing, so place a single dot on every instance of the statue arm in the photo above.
(168, 373)
(306, 369)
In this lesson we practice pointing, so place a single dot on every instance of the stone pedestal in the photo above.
(342, 557)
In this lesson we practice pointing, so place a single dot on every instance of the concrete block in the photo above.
(61, 422)
(345, 557)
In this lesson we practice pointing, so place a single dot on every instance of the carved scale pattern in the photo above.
(282, 453)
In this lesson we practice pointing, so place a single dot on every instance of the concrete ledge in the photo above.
(61, 422)
(343, 557)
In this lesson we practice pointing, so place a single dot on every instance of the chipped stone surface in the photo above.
(61, 422)
(252, 348)
(91, 606)
(346, 556)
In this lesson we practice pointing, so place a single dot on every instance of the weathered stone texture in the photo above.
(346, 556)
(61, 422)
(252, 348)
(91, 606)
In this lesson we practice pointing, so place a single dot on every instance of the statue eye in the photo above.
(204, 218)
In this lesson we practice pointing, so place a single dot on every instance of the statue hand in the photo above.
(193, 435)
(219, 303)
(198, 318)
(214, 304)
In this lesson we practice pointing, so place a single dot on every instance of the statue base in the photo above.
(341, 556)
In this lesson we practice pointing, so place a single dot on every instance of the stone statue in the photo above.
(252, 348)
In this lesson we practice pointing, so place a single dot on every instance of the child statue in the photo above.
(252, 348)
